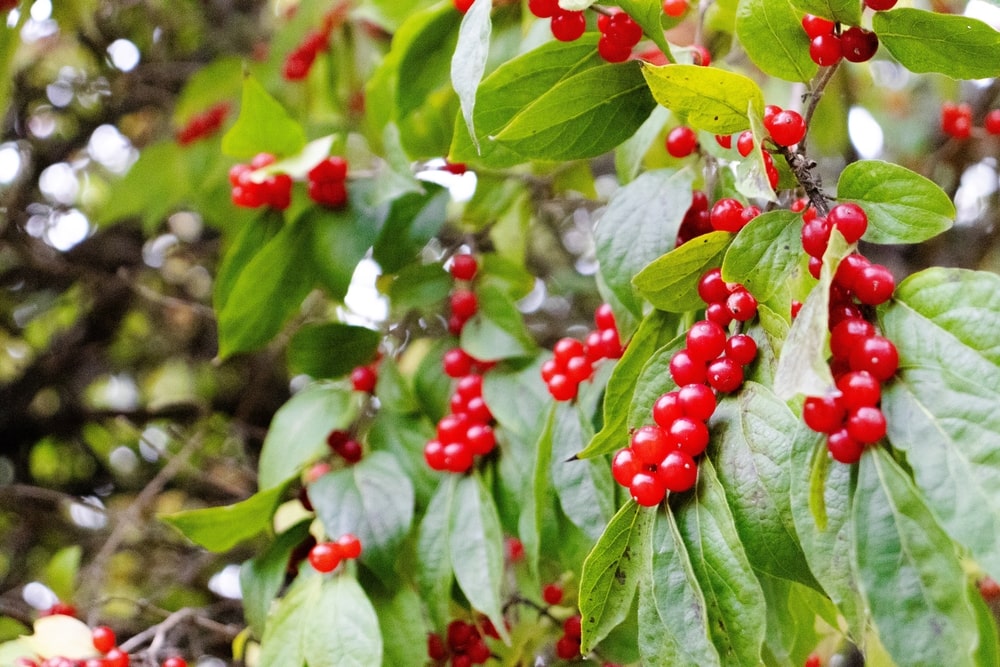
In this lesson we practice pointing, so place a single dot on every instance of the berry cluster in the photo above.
(327, 182)
(105, 643)
(566, 26)
(619, 33)
(568, 645)
(203, 124)
(326, 556)
(661, 456)
(345, 446)
(573, 362)
(463, 644)
(465, 432)
(253, 192)
(862, 360)
(829, 44)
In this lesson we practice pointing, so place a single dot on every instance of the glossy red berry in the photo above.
(705, 340)
(742, 305)
(849, 334)
(786, 127)
(349, 546)
(481, 439)
(724, 140)
(325, 557)
(742, 349)
(815, 237)
(567, 648)
(364, 379)
(562, 388)
(813, 661)
(464, 267)
(697, 401)
(463, 5)
(650, 444)
(622, 29)
(727, 215)
(552, 593)
(685, 369)
(103, 638)
(647, 489)
(825, 50)
(724, 375)
(817, 25)
(877, 355)
(823, 414)
(612, 51)
(956, 120)
(858, 45)
(117, 658)
(568, 26)
(457, 363)
(624, 466)
(667, 408)
(689, 435)
(675, 8)
(543, 9)
(874, 285)
(681, 141)
(514, 549)
(464, 303)
(992, 122)
(711, 287)
(849, 270)
(880, 5)
(859, 389)
(843, 447)
(719, 313)
(678, 472)
(744, 143)
(989, 589)
(866, 425)
(850, 219)
(350, 450)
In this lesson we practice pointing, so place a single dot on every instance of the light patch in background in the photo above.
(112, 149)
(124, 54)
(66, 229)
(123, 460)
(89, 513)
(10, 162)
(984, 11)
(461, 186)
(39, 596)
(865, 132)
(365, 305)
(978, 183)
(153, 443)
(58, 182)
(40, 23)
(226, 582)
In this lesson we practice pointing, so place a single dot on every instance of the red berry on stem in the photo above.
(567, 648)
(744, 143)
(543, 9)
(742, 305)
(725, 375)
(992, 122)
(604, 317)
(436, 649)
(568, 26)
(621, 28)
(849, 334)
(349, 545)
(858, 45)
(850, 219)
(690, 435)
(726, 215)
(667, 408)
(675, 8)
(880, 5)
(678, 472)
(825, 50)
(817, 25)
(684, 369)
(877, 355)
(117, 658)
(464, 267)
(866, 425)
(571, 627)
(562, 388)
(786, 127)
(103, 638)
(552, 593)
(647, 489)
(712, 288)
(650, 444)
(742, 349)
(175, 662)
(989, 589)
(705, 340)
(874, 285)
(457, 363)
(859, 389)
(325, 557)
(724, 140)
(681, 141)
(624, 466)
(463, 5)
(843, 447)
(697, 401)
(464, 303)
(363, 378)
(823, 414)
(612, 51)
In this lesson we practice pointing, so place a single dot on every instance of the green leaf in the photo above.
(249, 241)
(414, 219)
(795, 621)
(297, 434)
(404, 436)
(282, 644)
(910, 574)
(263, 126)
(256, 309)
(584, 115)
(942, 413)
(517, 398)
(639, 225)
(922, 41)
(751, 438)
(673, 614)
(468, 63)
(845, 11)
(341, 238)
(60, 573)
(654, 380)
(262, 576)
(671, 282)
(221, 528)
(537, 510)
(621, 386)
(475, 542)
(434, 573)
(404, 628)
(331, 349)
(425, 43)
(752, 180)
(902, 206)
(157, 182)
(733, 596)
(827, 543)
(706, 98)
(772, 35)
(612, 570)
(630, 156)
(584, 487)
(649, 15)
(372, 499)
(513, 86)
(420, 286)
(765, 253)
(497, 330)
(341, 628)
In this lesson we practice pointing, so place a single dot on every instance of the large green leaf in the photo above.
(414, 219)
(772, 35)
(733, 596)
(426, 43)
(263, 126)
(517, 398)
(942, 411)
(902, 206)
(751, 440)
(404, 436)
(845, 11)
(434, 573)
(372, 499)
(297, 434)
(282, 643)
(341, 628)
(706, 98)
(262, 576)
(673, 614)
(249, 240)
(497, 330)
(612, 570)
(959, 46)
(468, 63)
(584, 487)
(341, 238)
(639, 225)
(910, 572)
(475, 542)
(404, 628)
(536, 513)
(765, 253)
(331, 349)
(671, 282)
(654, 380)
(222, 528)
(584, 115)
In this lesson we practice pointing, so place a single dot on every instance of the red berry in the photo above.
(612, 51)
(460, 635)
(815, 236)
(568, 26)
(457, 363)
(103, 638)
(849, 270)
(681, 141)
(796, 306)
(478, 652)
(175, 662)
(992, 122)
(436, 649)
(451, 428)
(690, 435)
(712, 288)
(725, 375)
(702, 57)
(813, 661)
(685, 369)
(552, 593)
(604, 317)
(989, 589)
(823, 414)
(625, 466)
(622, 29)
(850, 219)
(567, 648)
(461, 660)
(719, 313)
(678, 472)
(571, 627)
(675, 8)
(463, 5)
(434, 455)
(880, 5)
(567, 348)
(562, 388)
(786, 127)
(849, 334)
(874, 285)
(724, 140)
(464, 267)
(349, 545)
(333, 168)
(515, 553)
(647, 489)
(866, 425)
(956, 120)
(543, 9)
(696, 400)
(726, 215)
(843, 447)
(858, 45)
(877, 355)
(744, 143)
(650, 444)
(825, 50)
(463, 303)
(458, 457)
(705, 340)
(667, 408)
(350, 450)
(60, 609)
(364, 378)
(742, 305)
(859, 389)
(117, 658)
(579, 369)
(325, 557)
(816, 26)
(742, 349)
(481, 439)
(470, 387)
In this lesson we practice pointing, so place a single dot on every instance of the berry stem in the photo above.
(814, 95)
(802, 167)
(518, 600)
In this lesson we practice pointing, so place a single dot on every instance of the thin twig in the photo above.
(815, 94)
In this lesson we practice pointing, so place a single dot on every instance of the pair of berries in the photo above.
(619, 34)
(724, 301)
(328, 182)
(566, 26)
(300, 61)
(253, 191)
(326, 556)
(847, 218)
(956, 120)
(572, 362)
(568, 645)
(729, 215)
(465, 432)
(462, 301)
(828, 45)
(463, 643)
(345, 446)
(203, 124)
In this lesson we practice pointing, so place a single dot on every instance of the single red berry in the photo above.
(816, 236)
(478, 652)
(364, 378)
(463, 5)
(515, 551)
(562, 388)
(457, 363)
(622, 29)
(742, 349)
(796, 306)
(813, 661)
(678, 472)
(744, 143)
(874, 285)
(850, 219)
(458, 457)
(333, 168)
(571, 627)
(481, 439)
(647, 489)
(696, 400)
(726, 215)
(667, 408)
(706, 340)
(843, 447)
(464, 303)
(956, 120)
(849, 270)
(325, 557)
(719, 313)
(742, 305)
(470, 387)
(451, 428)
(681, 141)
(685, 369)
(877, 355)
(567, 648)
(567, 348)
(464, 267)
(175, 662)
(612, 51)
(624, 466)
(117, 658)
(825, 50)
(434, 455)
(568, 26)
(103, 638)
(579, 369)
(858, 45)
(823, 414)
(702, 56)
(712, 288)
(989, 589)
(859, 389)
(724, 140)
(543, 9)
(350, 450)
(815, 267)
(461, 660)
(650, 444)
(688, 435)
(817, 25)
(849, 334)
(675, 8)
(786, 127)
(349, 546)
(866, 425)
(604, 317)
(992, 122)
(880, 5)
(552, 593)
(725, 375)
(436, 650)
(60, 609)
